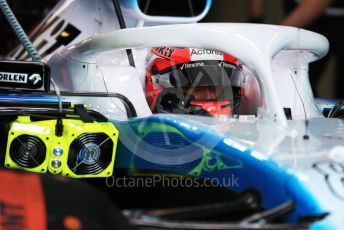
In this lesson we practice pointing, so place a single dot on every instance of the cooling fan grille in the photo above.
(86, 149)
(28, 151)
(90, 153)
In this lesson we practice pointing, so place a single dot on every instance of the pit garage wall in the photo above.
(29, 13)
(237, 11)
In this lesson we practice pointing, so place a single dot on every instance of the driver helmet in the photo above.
(193, 81)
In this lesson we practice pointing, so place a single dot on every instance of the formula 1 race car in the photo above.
(283, 157)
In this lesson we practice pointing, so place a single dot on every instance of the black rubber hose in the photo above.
(123, 26)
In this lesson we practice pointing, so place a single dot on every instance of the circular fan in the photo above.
(90, 153)
(28, 151)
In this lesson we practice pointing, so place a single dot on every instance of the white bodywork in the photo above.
(286, 86)
(279, 58)
(92, 17)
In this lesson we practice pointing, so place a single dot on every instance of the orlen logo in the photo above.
(35, 78)
(20, 78)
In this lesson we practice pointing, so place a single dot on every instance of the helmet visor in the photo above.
(198, 73)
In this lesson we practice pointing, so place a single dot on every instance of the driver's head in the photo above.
(193, 81)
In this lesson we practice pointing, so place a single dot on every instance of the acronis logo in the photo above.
(204, 51)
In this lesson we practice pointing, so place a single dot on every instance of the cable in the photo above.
(25, 41)
(18, 30)
(123, 26)
(192, 11)
(148, 2)
(270, 214)
(207, 210)
(334, 110)
(297, 90)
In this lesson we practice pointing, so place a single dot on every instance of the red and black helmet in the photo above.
(193, 81)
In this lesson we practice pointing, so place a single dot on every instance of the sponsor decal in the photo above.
(13, 77)
(35, 78)
(22, 203)
(227, 65)
(191, 65)
(204, 52)
(332, 173)
(12, 216)
(20, 78)
(165, 51)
